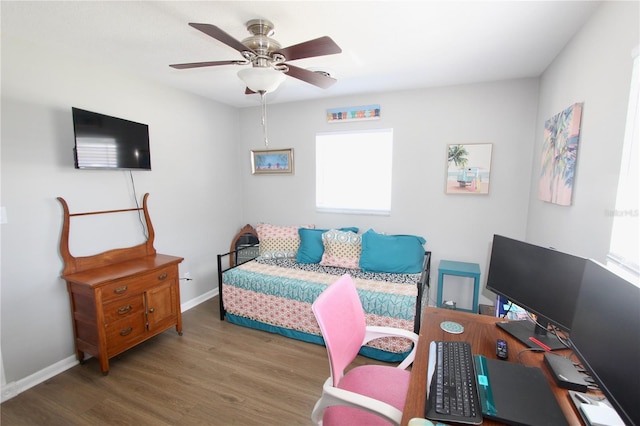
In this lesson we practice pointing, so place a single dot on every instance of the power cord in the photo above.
(135, 197)
(554, 330)
(528, 350)
(563, 340)
(504, 315)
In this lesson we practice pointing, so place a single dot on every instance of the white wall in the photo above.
(194, 202)
(594, 68)
(201, 183)
(457, 227)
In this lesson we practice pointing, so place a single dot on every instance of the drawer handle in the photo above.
(151, 310)
(123, 310)
(162, 276)
(120, 290)
(126, 331)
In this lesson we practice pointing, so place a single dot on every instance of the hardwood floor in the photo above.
(215, 374)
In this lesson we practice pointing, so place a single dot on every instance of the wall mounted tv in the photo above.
(105, 142)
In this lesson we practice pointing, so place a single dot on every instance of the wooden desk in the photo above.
(482, 333)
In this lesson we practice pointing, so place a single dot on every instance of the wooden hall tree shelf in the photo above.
(121, 297)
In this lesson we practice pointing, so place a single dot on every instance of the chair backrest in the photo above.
(340, 316)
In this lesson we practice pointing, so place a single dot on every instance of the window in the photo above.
(353, 171)
(623, 251)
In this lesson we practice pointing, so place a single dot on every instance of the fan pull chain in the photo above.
(263, 100)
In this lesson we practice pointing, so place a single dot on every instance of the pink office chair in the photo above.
(366, 395)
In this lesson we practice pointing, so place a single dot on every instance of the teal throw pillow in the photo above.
(397, 254)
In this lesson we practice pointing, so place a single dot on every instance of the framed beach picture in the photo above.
(468, 168)
(272, 161)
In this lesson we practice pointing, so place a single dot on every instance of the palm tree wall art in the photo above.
(559, 156)
(468, 168)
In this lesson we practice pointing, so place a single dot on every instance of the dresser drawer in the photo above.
(123, 308)
(121, 334)
(136, 285)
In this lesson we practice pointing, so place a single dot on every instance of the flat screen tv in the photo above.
(606, 337)
(106, 142)
(541, 280)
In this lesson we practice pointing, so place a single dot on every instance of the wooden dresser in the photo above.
(121, 297)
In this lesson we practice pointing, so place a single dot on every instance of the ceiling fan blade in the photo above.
(218, 34)
(206, 64)
(319, 47)
(311, 77)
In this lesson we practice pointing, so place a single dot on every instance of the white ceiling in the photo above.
(386, 45)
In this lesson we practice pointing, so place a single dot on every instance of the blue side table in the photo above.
(460, 269)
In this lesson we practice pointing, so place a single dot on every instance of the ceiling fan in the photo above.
(267, 58)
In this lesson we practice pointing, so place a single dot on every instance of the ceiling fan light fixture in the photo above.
(261, 79)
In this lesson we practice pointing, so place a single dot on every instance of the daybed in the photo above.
(274, 291)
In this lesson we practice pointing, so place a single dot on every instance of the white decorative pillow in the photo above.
(341, 248)
(279, 241)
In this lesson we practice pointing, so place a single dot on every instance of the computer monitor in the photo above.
(541, 280)
(606, 337)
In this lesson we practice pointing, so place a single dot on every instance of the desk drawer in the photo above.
(136, 285)
(122, 334)
(123, 308)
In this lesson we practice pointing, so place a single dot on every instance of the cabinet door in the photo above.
(162, 309)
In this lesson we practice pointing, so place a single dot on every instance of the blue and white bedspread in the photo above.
(276, 295)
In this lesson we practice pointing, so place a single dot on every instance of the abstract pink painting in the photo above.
(559, 155)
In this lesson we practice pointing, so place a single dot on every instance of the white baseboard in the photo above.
(198, 300)
(9, 390)
(12, 389)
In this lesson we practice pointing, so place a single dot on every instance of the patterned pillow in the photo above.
(279, 241)
(341, 249)
(311, 247)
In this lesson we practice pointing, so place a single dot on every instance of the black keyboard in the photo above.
(453, 391)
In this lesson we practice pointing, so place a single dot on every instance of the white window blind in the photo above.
(353, 171)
